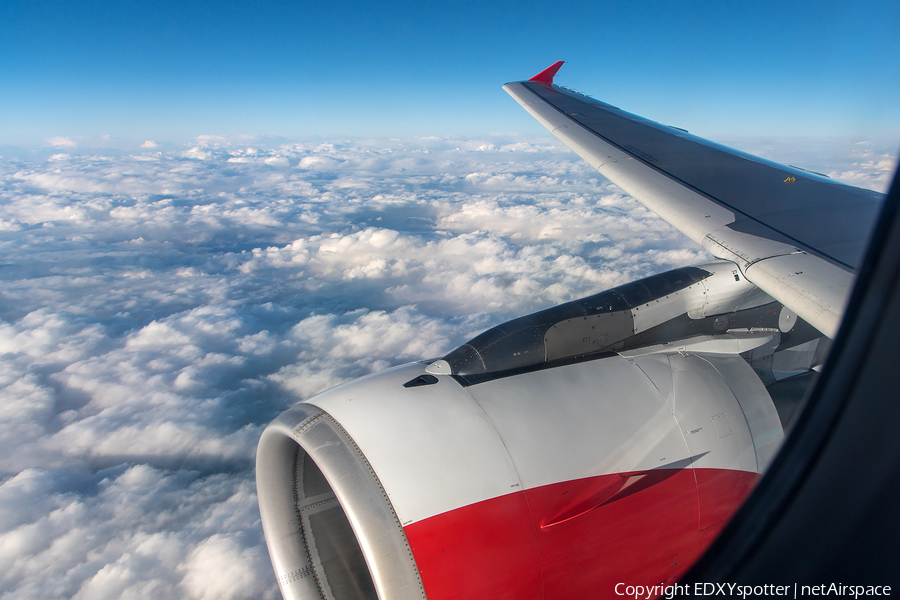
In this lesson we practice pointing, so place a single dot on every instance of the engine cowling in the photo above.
(556, 479)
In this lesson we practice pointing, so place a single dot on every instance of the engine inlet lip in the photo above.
(355, 484)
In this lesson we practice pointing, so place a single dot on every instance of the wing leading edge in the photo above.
(798, 236)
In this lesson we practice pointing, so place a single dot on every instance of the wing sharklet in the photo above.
(546, 76)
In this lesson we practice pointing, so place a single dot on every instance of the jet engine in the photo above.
(604, 440)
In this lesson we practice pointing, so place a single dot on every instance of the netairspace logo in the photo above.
(158, 309)
(642, 592)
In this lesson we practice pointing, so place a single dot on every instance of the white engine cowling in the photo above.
(550, 481)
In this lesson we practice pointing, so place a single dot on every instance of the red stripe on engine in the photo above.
(721, 493)
(576, 539)
(484, 550)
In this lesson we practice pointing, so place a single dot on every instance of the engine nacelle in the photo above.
(554, 480)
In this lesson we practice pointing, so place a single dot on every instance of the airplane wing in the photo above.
(797, 235)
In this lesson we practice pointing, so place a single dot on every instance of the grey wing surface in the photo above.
(797, 235)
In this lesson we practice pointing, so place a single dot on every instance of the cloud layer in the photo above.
(159, 309)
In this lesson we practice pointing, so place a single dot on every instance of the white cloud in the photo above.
(868, 163)
(157, 310)
(221, 568)
(209, 139)
(149, 144)
(870, 170)
(62, 142)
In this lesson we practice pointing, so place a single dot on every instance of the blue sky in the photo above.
(170, 71)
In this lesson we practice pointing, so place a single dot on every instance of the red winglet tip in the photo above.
(546, 76)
